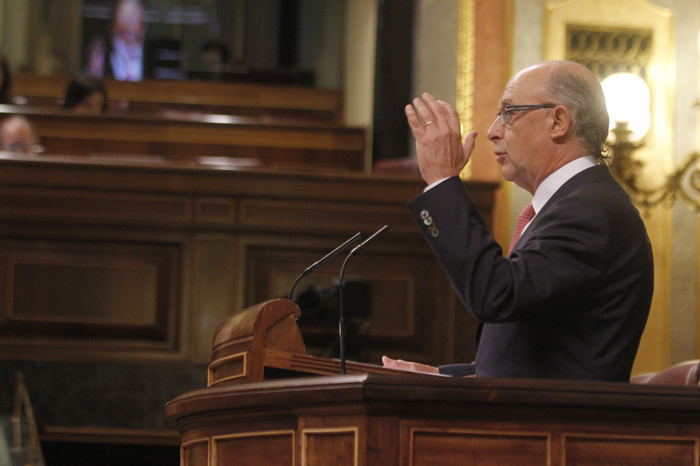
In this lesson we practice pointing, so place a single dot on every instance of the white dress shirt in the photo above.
(556, 180)
(552, 183)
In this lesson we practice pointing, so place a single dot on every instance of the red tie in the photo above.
(523, 219)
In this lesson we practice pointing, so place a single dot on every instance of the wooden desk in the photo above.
(380, 420)
(272, 142)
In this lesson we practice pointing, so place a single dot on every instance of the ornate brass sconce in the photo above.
(627, 97)
(683, 183)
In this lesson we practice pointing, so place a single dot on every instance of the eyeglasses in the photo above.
(506, 110)
(22, 147)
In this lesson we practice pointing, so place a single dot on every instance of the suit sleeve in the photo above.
(562, 255)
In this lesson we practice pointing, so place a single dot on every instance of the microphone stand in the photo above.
(318, 263)
(341, 318)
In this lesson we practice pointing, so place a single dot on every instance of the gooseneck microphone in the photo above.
(318, 263)
(341, 320)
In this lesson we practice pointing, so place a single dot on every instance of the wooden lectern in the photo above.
(267, 336)
(377, 417)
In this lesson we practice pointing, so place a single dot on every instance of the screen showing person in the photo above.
(125, 60)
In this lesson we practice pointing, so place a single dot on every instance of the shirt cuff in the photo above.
(433, 184)
(460, 370)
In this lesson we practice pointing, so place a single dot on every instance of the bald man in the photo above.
(17, 135)
(572, 297)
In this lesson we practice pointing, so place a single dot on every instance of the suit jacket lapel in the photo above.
(590, 175)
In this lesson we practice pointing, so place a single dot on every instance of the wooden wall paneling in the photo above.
(399, 311)
(117, 289)
(117, 298)
(215, 210)
(75, 283)
(192, 245)
(320, 216)
(215, 288)
(66, 205)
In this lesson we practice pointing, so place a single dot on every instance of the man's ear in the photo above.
(561, 122)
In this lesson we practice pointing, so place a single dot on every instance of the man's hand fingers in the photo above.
(451, 117)
(426, 110)
(413, 121)
(469, 143)
(408, 366)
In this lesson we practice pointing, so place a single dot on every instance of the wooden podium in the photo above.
(267, 336)
(388, 418)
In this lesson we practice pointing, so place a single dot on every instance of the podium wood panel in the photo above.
(408, 421)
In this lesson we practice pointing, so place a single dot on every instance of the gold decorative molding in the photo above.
(607, 50)
(466, 52)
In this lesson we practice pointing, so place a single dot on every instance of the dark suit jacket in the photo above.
(571, 300)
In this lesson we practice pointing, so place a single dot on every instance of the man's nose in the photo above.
(495, 132)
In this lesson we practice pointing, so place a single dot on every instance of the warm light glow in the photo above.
(627, 97)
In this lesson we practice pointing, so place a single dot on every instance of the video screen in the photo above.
(131, 40)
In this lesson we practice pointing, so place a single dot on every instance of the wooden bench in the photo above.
(272, 142)
(245, 99)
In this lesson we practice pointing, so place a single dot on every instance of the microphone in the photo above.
(363, 244)
(318, 263)
(341, 320)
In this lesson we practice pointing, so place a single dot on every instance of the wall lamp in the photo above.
(628, 99)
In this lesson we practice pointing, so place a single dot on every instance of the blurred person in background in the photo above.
(5, 81)
(214, 57)
(17, 135)
(95, 57)
(86, 95)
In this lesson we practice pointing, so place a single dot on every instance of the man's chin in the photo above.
(507, 173)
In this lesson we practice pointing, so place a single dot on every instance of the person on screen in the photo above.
(572, 297)
(125, 61)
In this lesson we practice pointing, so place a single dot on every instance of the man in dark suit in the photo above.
(571, 300)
